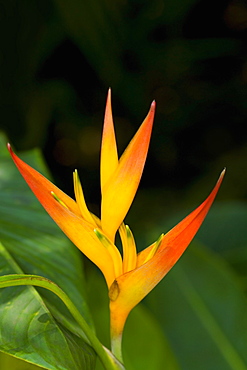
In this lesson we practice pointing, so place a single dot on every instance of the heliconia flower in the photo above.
(131, 276)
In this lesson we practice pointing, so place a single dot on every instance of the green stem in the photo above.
(107, 359)
(116, 347)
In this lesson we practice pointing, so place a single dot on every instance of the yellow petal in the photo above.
(109, 155)
(120, 189)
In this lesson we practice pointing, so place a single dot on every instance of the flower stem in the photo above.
(116, 347)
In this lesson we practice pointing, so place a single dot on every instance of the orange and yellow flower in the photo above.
(131, 276)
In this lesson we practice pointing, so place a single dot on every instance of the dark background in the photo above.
(58, 58)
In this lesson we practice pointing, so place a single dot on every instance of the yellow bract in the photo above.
(129, 248)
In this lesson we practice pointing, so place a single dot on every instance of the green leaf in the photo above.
(34, 245)
(106, 357)
(29, 331)
(202, 309)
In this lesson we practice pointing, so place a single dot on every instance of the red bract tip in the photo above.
(153, 105)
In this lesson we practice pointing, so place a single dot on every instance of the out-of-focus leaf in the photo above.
(225, 227)
(38, 247)
(94, 25)
(9, 362)
(46, 98)
(35, 27)
(202, 308)
(144, 344)
(88, 24)
(225, 232)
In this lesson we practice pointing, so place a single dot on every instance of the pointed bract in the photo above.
(67, 217)
(129, 248)
(109, 155)
(80, 200)
(130, 288)
(120, 189)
